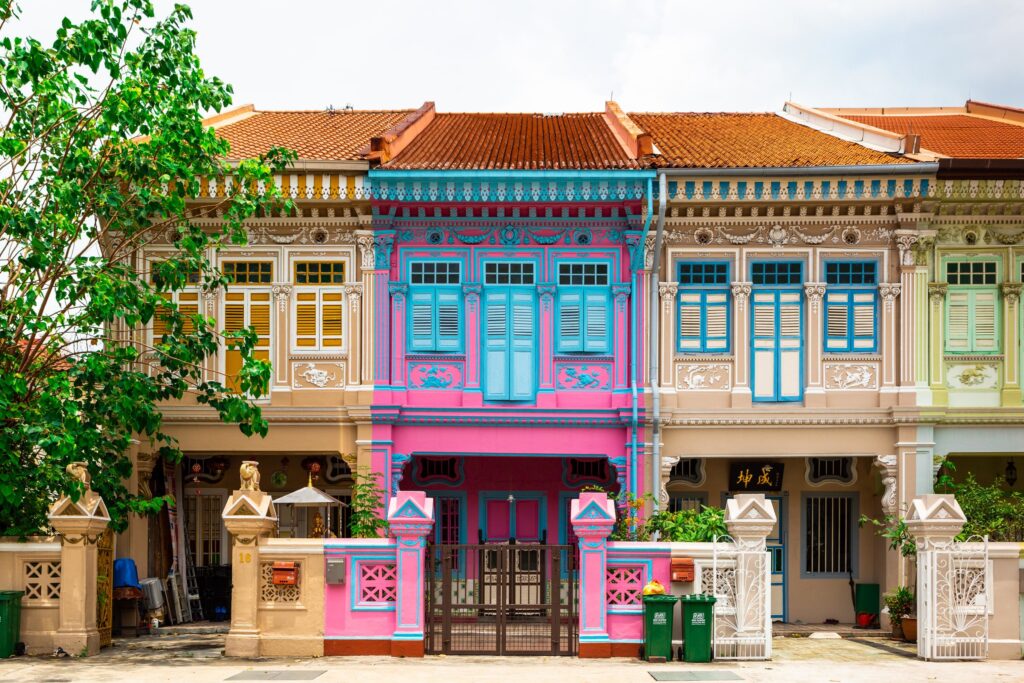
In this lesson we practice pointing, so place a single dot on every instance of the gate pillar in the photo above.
(411, 517)
(593, 517)
(80, 523)
(248, 515)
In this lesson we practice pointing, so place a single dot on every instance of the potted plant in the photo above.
(900, 603)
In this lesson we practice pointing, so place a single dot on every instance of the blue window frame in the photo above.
(435, 306)
(851, 306)
(777, 331)
(509, 331)
(703, 304)
(584, 307)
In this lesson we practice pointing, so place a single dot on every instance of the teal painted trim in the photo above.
(622, 174)
(717, 288)
(776, 291)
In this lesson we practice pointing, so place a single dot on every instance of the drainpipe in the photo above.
(654, 326)
(634, 338)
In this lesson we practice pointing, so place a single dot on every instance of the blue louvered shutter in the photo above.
(496, 347)
(449, 329)
(597, 338)
(421, 320)
(524, 346)
(570, 321)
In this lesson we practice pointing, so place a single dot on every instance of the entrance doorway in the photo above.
(501, 599)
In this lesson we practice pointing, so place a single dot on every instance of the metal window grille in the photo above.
(506, 273)
(679, 502)
(829, 534)
(249, 272)
(777, 273)
(851, 273)
(438, 468)
(821, 470)
(435, 272)
(696, 274)
(688, 469)
(450, 520)
(319, 272)
(971, 272)
(583, 274)
(588, 469)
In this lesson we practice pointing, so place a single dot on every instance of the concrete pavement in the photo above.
(197, 659)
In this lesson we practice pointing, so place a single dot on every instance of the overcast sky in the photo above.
(553, 56)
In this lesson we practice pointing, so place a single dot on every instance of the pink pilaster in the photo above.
(411, 517)
(471, 292)
(546, 359)
(593, 517)
(621, 312)
(398, 292)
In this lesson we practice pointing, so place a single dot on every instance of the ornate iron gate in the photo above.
(953, 599)
(507, 599)
(105, 586)
(741, 583)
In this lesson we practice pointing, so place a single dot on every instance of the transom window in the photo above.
(445, 469)
(583, 274)
(592, 469)
(703, 273)
(509, 273)
(851, 273)
(777, 273)
(435, 273)
(971, 272)
(249, 272)
(821, 470)
(690, 470)
(319, 272)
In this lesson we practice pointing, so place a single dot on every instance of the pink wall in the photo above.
(344, 617)
(625, 623)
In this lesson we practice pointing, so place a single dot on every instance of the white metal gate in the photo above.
(741, 583)
(954, 584)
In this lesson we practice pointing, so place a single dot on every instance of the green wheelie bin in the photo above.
(698, 625)
(658, 617)
(10, 621)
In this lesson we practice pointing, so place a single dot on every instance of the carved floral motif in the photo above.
(844, 376)
(974, 376)
(435, 376)
(705, 376)
(319, 375)
(583, 376)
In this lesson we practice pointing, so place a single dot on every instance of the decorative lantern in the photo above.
(1011, 472)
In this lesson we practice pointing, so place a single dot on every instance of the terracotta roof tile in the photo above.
(724, 140)
(514, 141)
(321, 135)
(955, 135)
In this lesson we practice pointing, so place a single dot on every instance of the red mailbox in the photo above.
(682, 569)
(285, 573)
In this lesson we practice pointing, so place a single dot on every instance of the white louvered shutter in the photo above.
(837, 327)
(496, 346)
(863, 321)
(716, 321)
(689, 321)
(523, 347)
(958, 317)
(984, 317)
(790, 345)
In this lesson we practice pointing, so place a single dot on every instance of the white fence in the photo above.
(954, 592)
(741, 583)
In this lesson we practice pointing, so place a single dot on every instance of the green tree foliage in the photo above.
(367, 506)
(692, 526)
(991, 510)
(101, 145)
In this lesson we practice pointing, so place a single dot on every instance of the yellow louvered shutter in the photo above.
(241, 310)
(331, 320)
(188, 306)
(160, 320)
(305, 320)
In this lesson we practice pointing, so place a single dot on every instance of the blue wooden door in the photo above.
(777, 344)
(510, 345)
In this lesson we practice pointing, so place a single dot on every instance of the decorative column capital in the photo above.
(353, 292)
(889, 291)
(621, 290)
(905, 241)
(544, 290)
(814, 291)
(398, 290)
(887, 467)
(741, 291)
(1011, 291)
(144, 464)
(937, 291)
(281, 293)
(667, 291)
(210, 299)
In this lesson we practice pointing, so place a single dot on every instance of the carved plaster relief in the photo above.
(318, 375)
(972, 376)
(851, 376)
(704, 377)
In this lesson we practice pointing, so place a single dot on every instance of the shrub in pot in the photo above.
(900, 603)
